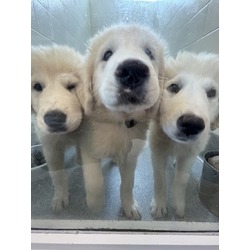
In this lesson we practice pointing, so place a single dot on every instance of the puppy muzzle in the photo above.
(56, 121)
(132, 73)
(132, 76)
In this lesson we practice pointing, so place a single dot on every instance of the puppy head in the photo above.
(190, 100)
(124, 63)
(55, 76)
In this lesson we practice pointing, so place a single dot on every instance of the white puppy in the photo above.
(188, 109)
(55, 76)
(124, 64)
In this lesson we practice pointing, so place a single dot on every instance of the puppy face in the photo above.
(126, 62)
(54, 80)
(190, 101)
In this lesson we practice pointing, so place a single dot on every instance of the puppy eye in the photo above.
(107, 55)
(149, 53)
(38, 87)
(71, 86)
(174, 88)
(211, 93)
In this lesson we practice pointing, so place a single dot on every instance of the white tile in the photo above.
(95, 29)
(189, 26)
(43, 20)
(33, 17)
(104, 6)
(86, 31)
(83, 6)
(212, 17)
(73, 9)
(72, 41)
(188, 20)
(71, 24)
(39, 39)
(67, 19)
(59, 32)
(193, 30)
(172, 10)
(209, 43)
(104, 19)
(83, 40)
(44, 3)
(57, 11)
(187, 11)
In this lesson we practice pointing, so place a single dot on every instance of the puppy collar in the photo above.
(130, 123)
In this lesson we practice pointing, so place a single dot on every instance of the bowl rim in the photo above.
(208, 154)
(39, 166)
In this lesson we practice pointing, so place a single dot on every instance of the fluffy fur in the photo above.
(189, 109)
(55, 76)
(122, 87)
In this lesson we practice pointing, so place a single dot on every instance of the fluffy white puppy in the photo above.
(121, 93)
(55, 76)
(189, 108)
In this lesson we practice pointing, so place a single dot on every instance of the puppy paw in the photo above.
(180, 213)
(95, 203)
(132, 212)
(179, 209)
(60, 201)
(158, 210)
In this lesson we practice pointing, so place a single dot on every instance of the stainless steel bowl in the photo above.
(37, 157)
(209, 184)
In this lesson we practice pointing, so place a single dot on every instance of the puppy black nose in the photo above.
(55, 120)
(132, 73)
(190, 124)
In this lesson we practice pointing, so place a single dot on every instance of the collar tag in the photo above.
(130, 123)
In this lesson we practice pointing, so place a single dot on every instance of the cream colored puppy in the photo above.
(122, 87)
(55, 77)
(189, 108)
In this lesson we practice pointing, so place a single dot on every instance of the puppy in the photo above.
(188, 110)
(121, 92)
(55, 77)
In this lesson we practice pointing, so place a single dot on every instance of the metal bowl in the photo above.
(37, 157)
(209, 184)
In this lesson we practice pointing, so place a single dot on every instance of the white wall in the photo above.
(61, 22)
(186, 24)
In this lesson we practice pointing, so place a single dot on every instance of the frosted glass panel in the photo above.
(184, 25)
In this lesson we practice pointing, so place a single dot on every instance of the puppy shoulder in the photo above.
(157, 137)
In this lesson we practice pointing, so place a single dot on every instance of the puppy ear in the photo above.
(162, 71)
(152, 112)
(85, 91)
(215, 123)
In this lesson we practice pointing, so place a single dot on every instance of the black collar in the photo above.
(130, 123)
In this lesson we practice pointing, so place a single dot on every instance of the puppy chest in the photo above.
(110, 140)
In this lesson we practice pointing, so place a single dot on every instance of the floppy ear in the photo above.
(85, 91)
(152, 112)
(215, 123)
(162, 71)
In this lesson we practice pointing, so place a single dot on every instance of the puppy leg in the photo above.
(159, 202)
(127, 171)
(54, 155)
(128, 203)
(94, 183)
(78, 158)
(182, 174)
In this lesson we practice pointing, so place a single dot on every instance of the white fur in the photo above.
(55, 68)
(105, 133)
(195, 73)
